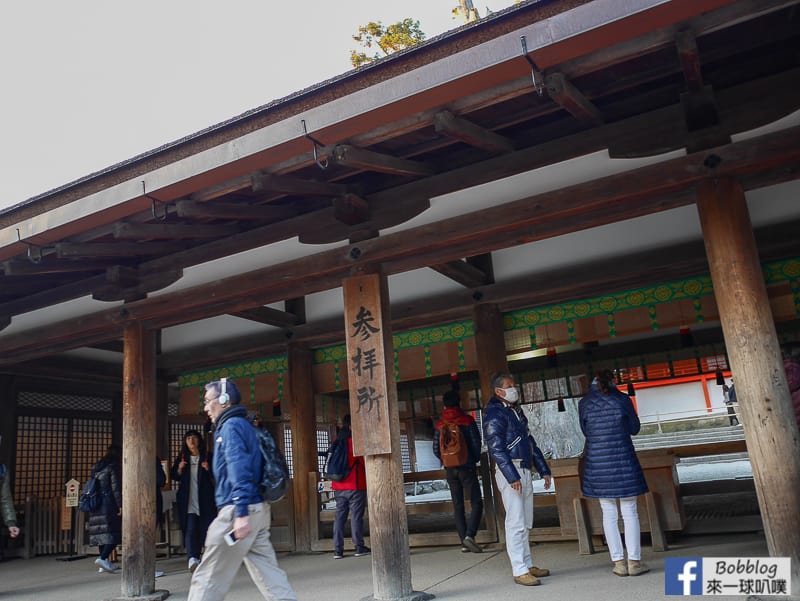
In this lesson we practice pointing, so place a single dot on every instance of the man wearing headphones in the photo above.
(240, 532)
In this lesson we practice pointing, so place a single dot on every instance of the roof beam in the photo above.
(566, 95)
(67, 250)
(652, 188)
(229, 210)
(690, 59)
(170, 231)
(289, 184)
(359, 158)
(269, 316)
(447, 124)
(129, 289)
(20, 267)
(557, 286)
(462, 273)
(350, 209)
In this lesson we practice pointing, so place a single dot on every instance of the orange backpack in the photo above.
(452, 445)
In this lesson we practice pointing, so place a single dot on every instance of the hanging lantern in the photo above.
(552, 357)
(631, 389)
(719, 377)
(561, 407)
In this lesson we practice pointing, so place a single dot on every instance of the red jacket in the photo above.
(357, 478)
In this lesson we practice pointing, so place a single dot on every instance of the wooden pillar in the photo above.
(8, 425)
(138, 463)
(752, 344)
(490, 346)
(302, 419)
(376, 430)
(162, 420)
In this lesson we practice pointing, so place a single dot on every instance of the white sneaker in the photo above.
(193, 563)
(106, 565)
(159, 573)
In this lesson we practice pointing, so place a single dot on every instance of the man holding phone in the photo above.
(240, 532)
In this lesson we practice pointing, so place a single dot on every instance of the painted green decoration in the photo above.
(428, 368)
(271, 365)
(692, 288)
(608, 305)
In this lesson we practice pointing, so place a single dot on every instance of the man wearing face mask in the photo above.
(515, 454)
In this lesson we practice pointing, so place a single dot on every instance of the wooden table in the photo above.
(659, 510)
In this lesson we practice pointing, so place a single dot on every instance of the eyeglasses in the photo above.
(207, 401)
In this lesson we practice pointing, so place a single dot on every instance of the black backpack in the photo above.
(337, 467)
(91, 499)
(274, 471)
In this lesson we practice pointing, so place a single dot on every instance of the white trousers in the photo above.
(630, 519)
(214, 576)
(519, 519)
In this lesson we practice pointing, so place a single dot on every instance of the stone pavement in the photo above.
(441, 571)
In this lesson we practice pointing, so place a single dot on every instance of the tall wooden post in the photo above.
(765, 403)
(304, 439)
(490, 347)
(8, 426)
(139, 464)
(376, 430)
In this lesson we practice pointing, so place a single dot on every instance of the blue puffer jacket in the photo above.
(237, 461)
(611, 468)
(507, 437)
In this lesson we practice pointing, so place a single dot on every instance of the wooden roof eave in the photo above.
(559, 38)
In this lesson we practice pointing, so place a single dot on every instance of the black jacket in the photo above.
(105, 524)
(205, 492)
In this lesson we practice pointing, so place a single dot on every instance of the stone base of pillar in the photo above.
(158, 595)
(414, 596)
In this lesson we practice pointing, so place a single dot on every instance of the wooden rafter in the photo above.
(457, 128)
(269, 316)
(463, 273)
(229, 210)
(171, 231)
(288, 184)
(116, 249)
(645, 190)
(566, 95)
(359, 158)
(690, 59)
(47, 266)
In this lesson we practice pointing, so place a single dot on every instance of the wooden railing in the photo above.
(42, 531)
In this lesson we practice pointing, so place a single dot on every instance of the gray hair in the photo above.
(497, 379)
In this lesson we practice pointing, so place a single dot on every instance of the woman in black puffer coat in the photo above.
(611, 469)
(105, 524)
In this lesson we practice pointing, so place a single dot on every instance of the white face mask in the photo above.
(511, 395)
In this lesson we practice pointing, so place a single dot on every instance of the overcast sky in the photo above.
(89, 83)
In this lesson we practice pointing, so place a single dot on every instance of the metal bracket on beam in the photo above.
(316, 143)
(153, 201)
(536, 74)
(33, 259)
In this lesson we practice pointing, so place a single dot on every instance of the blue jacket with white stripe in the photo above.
(507, 438)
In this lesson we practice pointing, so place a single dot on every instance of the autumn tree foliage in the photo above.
(379, 40)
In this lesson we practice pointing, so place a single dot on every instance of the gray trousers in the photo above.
(214, 576)
(352, 502)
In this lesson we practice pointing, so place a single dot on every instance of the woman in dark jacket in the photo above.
(105, 524)
(195, 498)
(611, 469)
